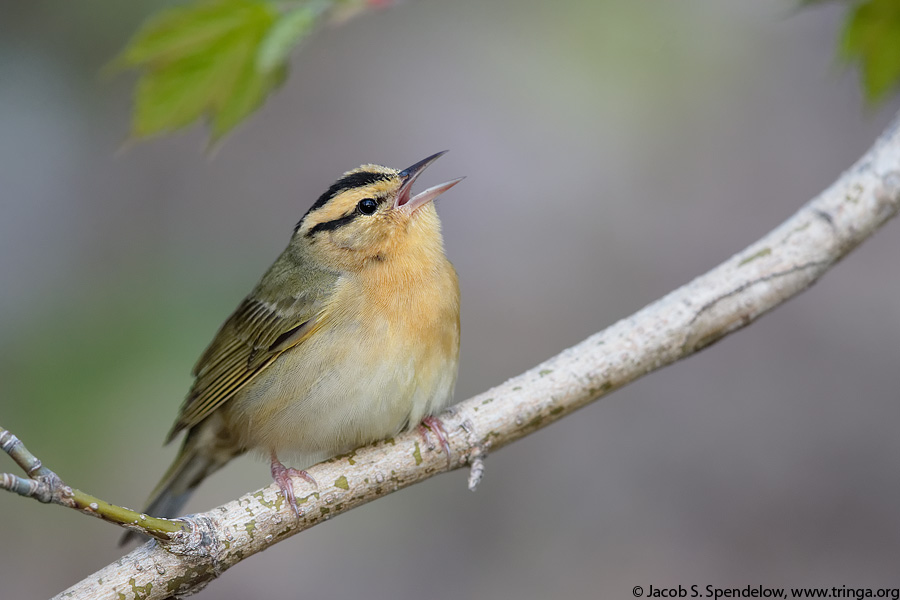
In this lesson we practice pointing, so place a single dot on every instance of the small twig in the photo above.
(42, 484)
(45, 486)
(476, 470)
(19, 453)
(477, 453)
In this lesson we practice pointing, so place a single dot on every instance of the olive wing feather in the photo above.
(249, 341)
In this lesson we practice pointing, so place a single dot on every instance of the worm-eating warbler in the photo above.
(351, 336)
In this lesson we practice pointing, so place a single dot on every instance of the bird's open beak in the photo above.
(410, 175)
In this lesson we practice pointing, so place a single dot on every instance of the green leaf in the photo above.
(872, 36)
(171, 97)
(200, 60)
(180, 31)
(217, 59)
(287, 32)
(250, 90)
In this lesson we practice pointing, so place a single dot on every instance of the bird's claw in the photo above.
(283, 476)
(433, 424)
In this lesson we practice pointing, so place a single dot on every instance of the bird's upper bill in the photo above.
(409, 176)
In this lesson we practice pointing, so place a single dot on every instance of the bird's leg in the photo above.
(282, 476)
(437, 427)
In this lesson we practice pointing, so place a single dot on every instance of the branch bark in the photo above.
(783, 263)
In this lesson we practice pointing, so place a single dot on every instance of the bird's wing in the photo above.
(249, 341)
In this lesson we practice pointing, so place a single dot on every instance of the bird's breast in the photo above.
(385, 356)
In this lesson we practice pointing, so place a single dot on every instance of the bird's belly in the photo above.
(324, 397)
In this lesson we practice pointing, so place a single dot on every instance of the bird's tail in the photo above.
(202, 454)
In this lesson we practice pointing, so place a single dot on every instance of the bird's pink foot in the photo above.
(437, 427)
(283, 477)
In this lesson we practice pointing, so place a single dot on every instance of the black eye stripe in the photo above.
(347, 182)
(331, 225)
(341, 221)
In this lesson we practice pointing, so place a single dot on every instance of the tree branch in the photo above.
(785, 262)
(46, 486)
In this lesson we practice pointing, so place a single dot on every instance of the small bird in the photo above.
(351, 336)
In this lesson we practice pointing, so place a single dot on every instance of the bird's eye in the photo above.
(367, 206)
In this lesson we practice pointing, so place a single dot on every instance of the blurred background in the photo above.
(614, 150)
